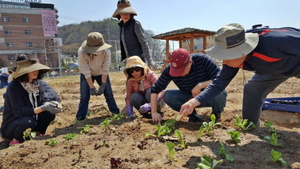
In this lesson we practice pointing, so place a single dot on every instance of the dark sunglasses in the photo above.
(137, 69)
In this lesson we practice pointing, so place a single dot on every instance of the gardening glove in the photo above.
(93, 92)
(145, 108)
(51, 107)
(101, 88)
(129, 111)
(58, 105)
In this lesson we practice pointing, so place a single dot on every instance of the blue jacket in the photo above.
(277, 52)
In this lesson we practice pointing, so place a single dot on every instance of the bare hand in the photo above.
(196, 90)
(156, 117)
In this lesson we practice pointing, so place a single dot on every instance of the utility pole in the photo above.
(59, 58)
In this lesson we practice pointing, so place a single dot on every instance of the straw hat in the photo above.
(123, 6)
(26, 66)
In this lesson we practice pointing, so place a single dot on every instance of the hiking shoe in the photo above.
(145, 108)
(194, 117)
(218, 117)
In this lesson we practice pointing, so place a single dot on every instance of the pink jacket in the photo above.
(133, 85)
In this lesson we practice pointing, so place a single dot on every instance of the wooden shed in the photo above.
(181, 35)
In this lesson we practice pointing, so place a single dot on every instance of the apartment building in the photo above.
(28, 26)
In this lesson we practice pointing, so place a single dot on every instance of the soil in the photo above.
(124, 136)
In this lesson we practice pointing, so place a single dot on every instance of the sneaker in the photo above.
(194, 117)
(145, 108)
(218, 117)
(13, 142)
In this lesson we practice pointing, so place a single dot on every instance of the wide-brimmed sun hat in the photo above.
(231, 42)
(178, 61)
(26, 66)
(123, 6)
(94, 42)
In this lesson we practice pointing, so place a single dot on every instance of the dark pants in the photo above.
(15, 129)
(85, 96)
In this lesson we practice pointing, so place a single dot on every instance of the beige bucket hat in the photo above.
(231, 42)
(95, 42)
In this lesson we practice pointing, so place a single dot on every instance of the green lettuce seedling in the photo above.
(243, 123)
(222, 151)
(276, 156)
(235, 136)
(166, 128)
(270, 126)
(86, 129)
(171, 151)
(70, 136)
(51, 142)
(105, 123)
(208, 163)
(207, 127)
(28, 134)
(183, 144)
(117, 116)
(273, 139)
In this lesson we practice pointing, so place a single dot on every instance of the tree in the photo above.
(156, 46)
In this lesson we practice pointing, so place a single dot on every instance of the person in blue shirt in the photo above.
(191, 73)
(272, 53)
(4, 80)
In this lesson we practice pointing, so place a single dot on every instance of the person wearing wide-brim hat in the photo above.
(140, 78)
(94, 59)
(132, 38)
(27, 103)
(272, 53)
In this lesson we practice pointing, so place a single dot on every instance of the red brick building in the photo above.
(28, 27)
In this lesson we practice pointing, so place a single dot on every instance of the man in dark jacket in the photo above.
(274, 55)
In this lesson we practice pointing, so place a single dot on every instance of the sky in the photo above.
(161, 16)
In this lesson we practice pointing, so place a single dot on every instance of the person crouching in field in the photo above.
(26, 103)
(138, 87)
(94, 59)
(272, 53)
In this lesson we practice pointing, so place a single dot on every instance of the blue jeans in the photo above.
(176, 98)
(85, 96)
(256, 91)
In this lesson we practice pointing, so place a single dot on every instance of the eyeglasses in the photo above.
(137, 69)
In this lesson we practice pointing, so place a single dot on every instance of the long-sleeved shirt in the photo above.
(133, 85)
(17, 103)
(97, 63)
(278, 52)
(203, 69)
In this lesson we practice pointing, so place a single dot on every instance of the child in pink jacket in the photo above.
(138, 87)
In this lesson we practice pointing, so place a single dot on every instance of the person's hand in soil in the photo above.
(188, 107)
(156, 117)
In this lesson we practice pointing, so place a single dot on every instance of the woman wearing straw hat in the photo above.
(138, 87)
(94, 62)
(26, 103)
(132, 37)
